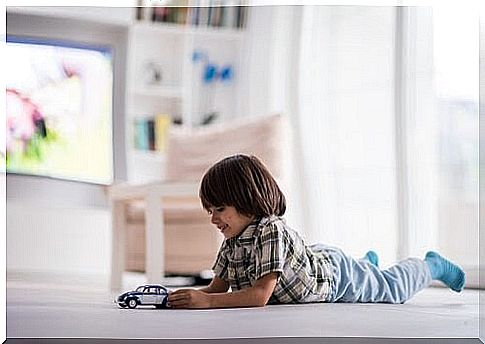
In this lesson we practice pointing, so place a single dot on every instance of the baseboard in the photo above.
(93, 280)
(60, 278)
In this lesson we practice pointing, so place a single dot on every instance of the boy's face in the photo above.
(228, 220)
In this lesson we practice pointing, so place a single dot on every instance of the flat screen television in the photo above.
(59, 107)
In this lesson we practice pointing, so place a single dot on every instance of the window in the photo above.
(456, 74)
(439, 62)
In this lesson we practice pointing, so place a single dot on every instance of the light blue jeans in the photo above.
(360, 281)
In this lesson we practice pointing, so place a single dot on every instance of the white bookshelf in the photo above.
(167, 92)
(180, 93)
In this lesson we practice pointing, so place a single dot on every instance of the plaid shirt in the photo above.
(270, 245)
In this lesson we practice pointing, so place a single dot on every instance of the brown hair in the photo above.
(244, 183)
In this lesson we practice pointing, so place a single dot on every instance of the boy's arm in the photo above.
(255, 296)
(217, 285)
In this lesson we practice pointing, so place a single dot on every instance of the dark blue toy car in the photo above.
(149, 294)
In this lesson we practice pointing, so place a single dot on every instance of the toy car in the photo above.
(149, 294)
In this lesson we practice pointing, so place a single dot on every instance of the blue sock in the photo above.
(372, 257)
(445, 271)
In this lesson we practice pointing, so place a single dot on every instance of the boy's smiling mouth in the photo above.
(228, 220)
(222, 228)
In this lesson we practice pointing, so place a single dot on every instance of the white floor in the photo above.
(42, 307)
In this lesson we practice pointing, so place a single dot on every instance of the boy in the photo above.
(265, 261)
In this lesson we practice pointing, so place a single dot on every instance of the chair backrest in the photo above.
(191, 152)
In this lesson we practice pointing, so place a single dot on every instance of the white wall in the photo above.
(58, 239)
(269, 70)
(256, 65)
(107, 15)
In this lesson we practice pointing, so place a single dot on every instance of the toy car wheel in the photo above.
(164, 302)
(158, 306)
(132, 303)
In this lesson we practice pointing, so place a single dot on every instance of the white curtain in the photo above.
(456, 94)
(345, 124)
(383, 158)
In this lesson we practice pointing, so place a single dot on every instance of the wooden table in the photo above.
(152, 194)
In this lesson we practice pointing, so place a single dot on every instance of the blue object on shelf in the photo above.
(226, 73)
(197, 55)
(210, 73)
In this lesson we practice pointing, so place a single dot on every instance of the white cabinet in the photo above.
(166, 66)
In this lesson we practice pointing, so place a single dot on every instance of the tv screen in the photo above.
(59, 110)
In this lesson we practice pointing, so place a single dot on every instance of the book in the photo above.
(209, 15)
(143, 10)
(229, 17)
(182, 13)
(244, 17)
(139, 13)
(194, 15)
(162, 126)
(160, 14)
(215, 16)
(241, 17)
(141, 134)
(203, 16)
(151, 134)
(222, 14)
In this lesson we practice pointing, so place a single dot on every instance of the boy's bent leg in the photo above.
(357, 282)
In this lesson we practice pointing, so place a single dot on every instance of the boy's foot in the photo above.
(445, 271)
(372, 257)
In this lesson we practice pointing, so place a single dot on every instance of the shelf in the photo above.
(160, 28)
(215, 32)
(158, 91)
(148, 155)
(146, 166)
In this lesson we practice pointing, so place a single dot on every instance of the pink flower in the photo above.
(22, 118)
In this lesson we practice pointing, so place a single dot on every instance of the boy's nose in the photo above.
(214, 219)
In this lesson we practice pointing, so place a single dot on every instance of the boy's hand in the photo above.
(189, 298)
(255, 296)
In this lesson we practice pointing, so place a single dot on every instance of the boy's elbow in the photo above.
(263, 289)
(262, 297)
(261, 302)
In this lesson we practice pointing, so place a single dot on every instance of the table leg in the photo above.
(154, 231)
(118, 235)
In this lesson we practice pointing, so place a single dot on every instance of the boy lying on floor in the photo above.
(265, 261)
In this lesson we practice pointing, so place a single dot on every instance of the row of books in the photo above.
(217, 16)
(234, 17)
(151, 132)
